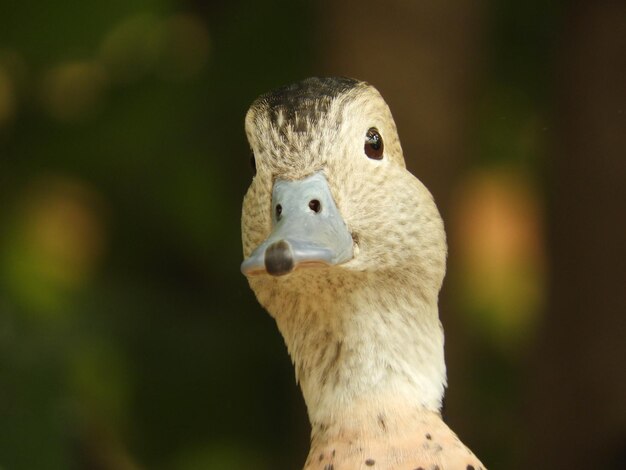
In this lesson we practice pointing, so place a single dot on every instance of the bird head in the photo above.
(331, 196)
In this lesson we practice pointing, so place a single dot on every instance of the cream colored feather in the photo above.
(364, 336)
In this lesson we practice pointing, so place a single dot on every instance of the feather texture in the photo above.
(365, 336)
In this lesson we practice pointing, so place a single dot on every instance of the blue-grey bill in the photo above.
(301, 236)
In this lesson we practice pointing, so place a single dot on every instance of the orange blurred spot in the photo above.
(57, 238)
(497, 230)
(60, 223)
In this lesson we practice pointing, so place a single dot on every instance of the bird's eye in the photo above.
(253, 163)
(374, 144)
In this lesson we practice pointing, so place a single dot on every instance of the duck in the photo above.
(346, 250)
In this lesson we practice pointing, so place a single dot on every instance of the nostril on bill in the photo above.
(279, 258)
(315, 205)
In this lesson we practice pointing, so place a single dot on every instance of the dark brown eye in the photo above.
(253, 164)
(374, 144)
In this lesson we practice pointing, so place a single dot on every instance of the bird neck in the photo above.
(365, 356)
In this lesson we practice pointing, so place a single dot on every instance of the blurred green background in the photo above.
(128, 337)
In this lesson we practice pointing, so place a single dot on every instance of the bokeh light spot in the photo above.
(130, 50)
(497, 229)
(73, 91)
(55, 242)
(186, 47)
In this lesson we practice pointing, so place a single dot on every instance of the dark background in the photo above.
(128, 337)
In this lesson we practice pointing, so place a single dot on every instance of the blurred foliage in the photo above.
(128, 337)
